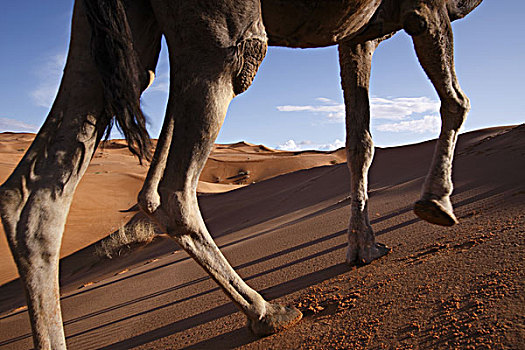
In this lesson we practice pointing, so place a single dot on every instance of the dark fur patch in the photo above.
(121, 71)
(414, 24)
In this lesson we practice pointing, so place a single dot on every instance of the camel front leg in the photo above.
(355, 61)
(205, 75)
(194, 129)
(432, 36)
(35, 200)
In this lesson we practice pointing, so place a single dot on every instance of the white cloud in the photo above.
(13, 125)
(49, 74)
(416, 115)
(294, 146)
(329, 108)
(429, 123)
(332, 146)
(325, 100)
(331, 111)
(289, 145)
(399, 108)
(402, 107)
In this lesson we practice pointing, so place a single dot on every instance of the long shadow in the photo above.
(13, 291)
(268, 293)
(16, 284)
(409, 208)
(332, 207)
(467, 201)
(233, 339)
(228, 309)
(183, 285)
(292, 186)
(464, 202)
(335, 206)
(186, 284)
(241, 336)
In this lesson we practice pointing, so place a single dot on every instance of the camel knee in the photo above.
(31, 221)
(10, 199)
(454, 111)
(359, 150)
(11, 203)
(177, 213)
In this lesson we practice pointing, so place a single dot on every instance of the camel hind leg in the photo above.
(205, 76)
(432, 36)
(35, 200)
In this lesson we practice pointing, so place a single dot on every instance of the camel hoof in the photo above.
(431, 210)
(375, 252)
(277, 319)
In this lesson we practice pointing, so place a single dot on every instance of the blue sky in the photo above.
(296, 99)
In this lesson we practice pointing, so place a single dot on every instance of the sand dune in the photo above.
(114, 178)
(455, 287)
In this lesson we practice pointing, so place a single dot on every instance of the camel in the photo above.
(215, 49)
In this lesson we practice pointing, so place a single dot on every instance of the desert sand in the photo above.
(280, 219)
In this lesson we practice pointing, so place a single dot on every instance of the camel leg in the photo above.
(432, 36)
(173, 205)
(355, 61)
(204, 79)
(149, 198)
(35, 200)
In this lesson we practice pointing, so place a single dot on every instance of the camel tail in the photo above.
(460, 8)
(121, 71)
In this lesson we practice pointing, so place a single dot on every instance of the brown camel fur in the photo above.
(215, 49)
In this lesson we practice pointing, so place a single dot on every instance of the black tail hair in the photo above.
(460, 8)
(121, 71)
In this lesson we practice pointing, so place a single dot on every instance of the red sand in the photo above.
(458, 287)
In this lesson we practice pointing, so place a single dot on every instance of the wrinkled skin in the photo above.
(215, 49)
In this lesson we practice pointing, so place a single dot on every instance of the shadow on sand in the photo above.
(242, 335)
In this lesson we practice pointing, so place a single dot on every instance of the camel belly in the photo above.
(315, 23)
